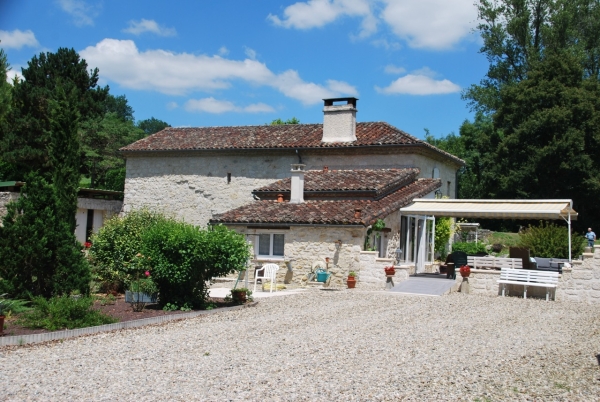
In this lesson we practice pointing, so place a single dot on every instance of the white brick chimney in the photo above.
(339, 121)
(297, 185)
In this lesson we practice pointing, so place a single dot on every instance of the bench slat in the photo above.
(527, 278)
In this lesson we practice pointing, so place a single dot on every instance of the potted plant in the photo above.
(141, 291)
(5, 305)
(240, 295)
(389, 271)
(465, 271)
(351, 280)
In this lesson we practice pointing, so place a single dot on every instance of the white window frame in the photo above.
(270, 256)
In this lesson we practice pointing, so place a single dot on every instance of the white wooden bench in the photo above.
(527, 277)
(493, 262)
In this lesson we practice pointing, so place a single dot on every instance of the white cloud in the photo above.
(10, 75)
(430, 24)
(318, 13)
(413, 84)
(182, 73)
(139, 27)
(341, 87)
(250, 53)
(172, 105)
(82, 13)
(223, 51)
(17, 39)
(391, 69)
(212, 105)
(387, 45)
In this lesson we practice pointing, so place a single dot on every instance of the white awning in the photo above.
(493, 209)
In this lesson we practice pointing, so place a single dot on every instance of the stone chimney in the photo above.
(339, 121)
(297, 185)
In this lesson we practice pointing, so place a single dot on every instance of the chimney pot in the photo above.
(325, 169)
(279, 197)
(357, 212)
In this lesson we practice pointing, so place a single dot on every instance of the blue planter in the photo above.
(139, 297)
(322, 276)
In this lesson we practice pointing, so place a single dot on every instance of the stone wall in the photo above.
(5, 198)
(194, 187)
(304, 245)
(581, 283)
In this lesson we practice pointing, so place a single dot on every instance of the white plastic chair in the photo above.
(268, 271)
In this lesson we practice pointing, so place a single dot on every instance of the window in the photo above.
(270, 245)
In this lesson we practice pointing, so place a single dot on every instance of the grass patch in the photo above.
(560, 385)
(504, 238)
(63, 312)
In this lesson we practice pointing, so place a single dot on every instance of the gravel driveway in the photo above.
(329, 345)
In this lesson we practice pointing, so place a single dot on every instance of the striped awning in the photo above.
(492, 209)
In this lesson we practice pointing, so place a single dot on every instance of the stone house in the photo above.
(94, 207)
(354, 173)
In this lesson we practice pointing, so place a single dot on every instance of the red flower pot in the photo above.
(390, 271)
(465, 271)
(351, 282)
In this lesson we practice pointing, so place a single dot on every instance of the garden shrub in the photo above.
(116, 245)
(469, 248)
(551, 241)
(63, 312)
(183, 258)
(443, 230)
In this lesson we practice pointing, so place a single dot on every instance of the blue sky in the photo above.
(240, 62)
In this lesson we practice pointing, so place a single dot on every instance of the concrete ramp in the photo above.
(424, 285)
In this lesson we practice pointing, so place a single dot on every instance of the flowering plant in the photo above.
(142, 283)
(87, 244)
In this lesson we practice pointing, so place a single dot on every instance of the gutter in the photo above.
(287, 224)
(297, 149)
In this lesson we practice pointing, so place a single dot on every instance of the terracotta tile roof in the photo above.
(377, 181)
(272, 137)
(327, 212)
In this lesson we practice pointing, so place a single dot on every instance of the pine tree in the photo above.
(39, 255)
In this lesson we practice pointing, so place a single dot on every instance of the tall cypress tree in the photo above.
(38, 251)
(41, 138)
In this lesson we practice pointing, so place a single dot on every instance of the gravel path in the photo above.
(329, 345)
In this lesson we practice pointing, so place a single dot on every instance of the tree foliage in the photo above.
(48, 78)
(39, 255)
(152, 125)
(536, 133)
(278, 122)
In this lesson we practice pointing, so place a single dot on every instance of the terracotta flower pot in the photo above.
(351, 282)
(465, 271)
(390, 271)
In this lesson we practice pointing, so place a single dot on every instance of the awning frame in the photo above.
(473, 208)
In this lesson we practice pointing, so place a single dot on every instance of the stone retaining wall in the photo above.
(581, 283)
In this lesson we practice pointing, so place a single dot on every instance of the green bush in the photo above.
(443, 229)
(551, 241)
(116, 245)
(469, 248)
(184, 258)
(63, 312)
